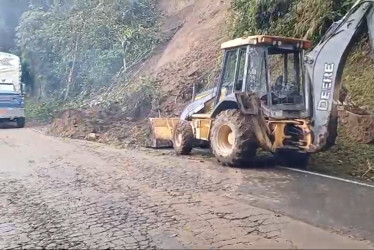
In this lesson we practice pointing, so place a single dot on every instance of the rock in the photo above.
(192, 70)
(343, 94)
(92, 137)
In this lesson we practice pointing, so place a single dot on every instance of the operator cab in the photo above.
(271, 67)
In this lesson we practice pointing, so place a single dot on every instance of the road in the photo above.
(60, 193)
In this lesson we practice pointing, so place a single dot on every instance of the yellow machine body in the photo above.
(271, 134)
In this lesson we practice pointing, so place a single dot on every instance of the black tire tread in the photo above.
(185, 148)
(21, 122)
(246, 147)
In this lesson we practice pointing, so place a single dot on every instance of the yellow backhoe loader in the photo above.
(271, 94)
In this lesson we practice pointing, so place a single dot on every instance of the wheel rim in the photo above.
(225, 139)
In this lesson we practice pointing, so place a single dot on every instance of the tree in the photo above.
(75, 47)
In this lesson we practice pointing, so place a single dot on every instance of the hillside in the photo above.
(192, 31)
(163, 83)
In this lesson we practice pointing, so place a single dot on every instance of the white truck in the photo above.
(11, 90)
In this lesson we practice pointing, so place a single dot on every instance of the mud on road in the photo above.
(57, 193)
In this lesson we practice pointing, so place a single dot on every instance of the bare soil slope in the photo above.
(191, 55)
(194, 30)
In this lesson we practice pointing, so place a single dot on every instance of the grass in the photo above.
(358, 76)
(347, 158)
(45, 111)
(41, 111)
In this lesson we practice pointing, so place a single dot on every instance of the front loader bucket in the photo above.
(162, 130)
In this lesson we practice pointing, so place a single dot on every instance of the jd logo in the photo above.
(327, 84)
(6, 61)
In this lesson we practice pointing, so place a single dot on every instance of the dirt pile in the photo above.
(108, 125)
(361, 124)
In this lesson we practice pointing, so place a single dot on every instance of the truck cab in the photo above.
(11, 90)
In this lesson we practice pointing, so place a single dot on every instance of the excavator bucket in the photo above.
(162, 130)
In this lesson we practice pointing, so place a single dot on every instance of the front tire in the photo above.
(21, 122)
(233, 141)
(183, 138)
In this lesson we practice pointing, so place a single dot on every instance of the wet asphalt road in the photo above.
(342, 205)
(61, 193)
(321, 201)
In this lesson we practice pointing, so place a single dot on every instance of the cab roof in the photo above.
(267, 40)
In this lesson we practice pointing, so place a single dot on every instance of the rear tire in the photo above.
(21, 122)
(233, 141)
(183, 138)
(292, 159)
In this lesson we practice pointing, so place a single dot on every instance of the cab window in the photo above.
(239, 81)
(234, 70)
(229, 75)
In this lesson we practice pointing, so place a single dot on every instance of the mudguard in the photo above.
(228, 102)
(247, 103)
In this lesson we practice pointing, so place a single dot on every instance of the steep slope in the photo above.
(162, 84)
(193, 53)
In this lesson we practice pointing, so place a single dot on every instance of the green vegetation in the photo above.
(42, 111)
(346, 158)
(307, 19)
(358, 76)
(75, 48)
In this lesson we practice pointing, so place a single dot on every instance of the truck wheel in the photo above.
(21, 122)
(292, 159)
(233, 141)
(183, 138)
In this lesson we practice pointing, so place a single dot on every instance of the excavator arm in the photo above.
(324, 69)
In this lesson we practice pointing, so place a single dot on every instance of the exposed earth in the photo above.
(62, 193)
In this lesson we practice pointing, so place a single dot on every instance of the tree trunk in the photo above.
(70, 81)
